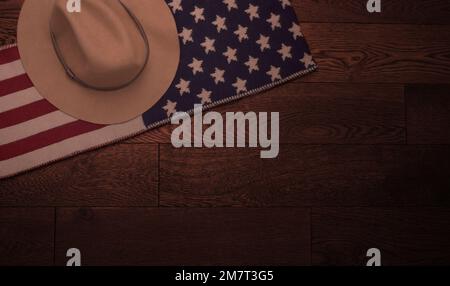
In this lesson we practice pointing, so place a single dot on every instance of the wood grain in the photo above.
(428, 114)
(355, 11)
(340, 175)
(26, 236)
(315, 113)
(9, 14)
(120, 175)
(405, 236)
(379, 53)
(189, 237)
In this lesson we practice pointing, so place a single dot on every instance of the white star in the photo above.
(231, 55)
(285, 52)
(240, 85)
(170, 108)
(183, 86)
(307, 60)
(176, 6)
(252, 12)
(241, 32)
(274, 73)
(198, 14)
(296, 30)
(230, 4)
(218, 76)
(196, 66)
(186, 35)
(205, 96)
(274, 20)
(220, 23)
(285, 3)
(208, 44)
(252, 64)
(263, 42)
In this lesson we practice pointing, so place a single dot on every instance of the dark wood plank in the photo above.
(9, 14)
(162, 236)
(393, 11)
(379, 53)
(428, 114)
(312, 113)
(339, 175)
(121, 175)
(26, 236)
(405, 236)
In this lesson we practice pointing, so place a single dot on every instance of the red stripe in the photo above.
(15, 84)
(9, 55)
(25, 113)
(46, 138)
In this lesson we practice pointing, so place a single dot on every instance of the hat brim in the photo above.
(50, 79)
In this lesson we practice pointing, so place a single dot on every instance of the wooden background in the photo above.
(364, 162)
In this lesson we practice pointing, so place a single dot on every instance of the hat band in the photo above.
(75, 78)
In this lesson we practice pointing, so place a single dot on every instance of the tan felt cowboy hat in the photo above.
(107, 64)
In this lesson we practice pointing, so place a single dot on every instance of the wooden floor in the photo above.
(364, 162)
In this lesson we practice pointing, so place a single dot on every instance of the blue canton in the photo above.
(230, 49)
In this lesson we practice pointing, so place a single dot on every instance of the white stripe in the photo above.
(35, 126)
(19, 98)
(11, 69)
(70, 146)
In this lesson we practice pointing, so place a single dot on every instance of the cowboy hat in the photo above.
(106, 64)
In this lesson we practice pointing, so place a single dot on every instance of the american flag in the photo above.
(229, 49)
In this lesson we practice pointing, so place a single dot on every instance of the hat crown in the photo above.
(101, 44)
